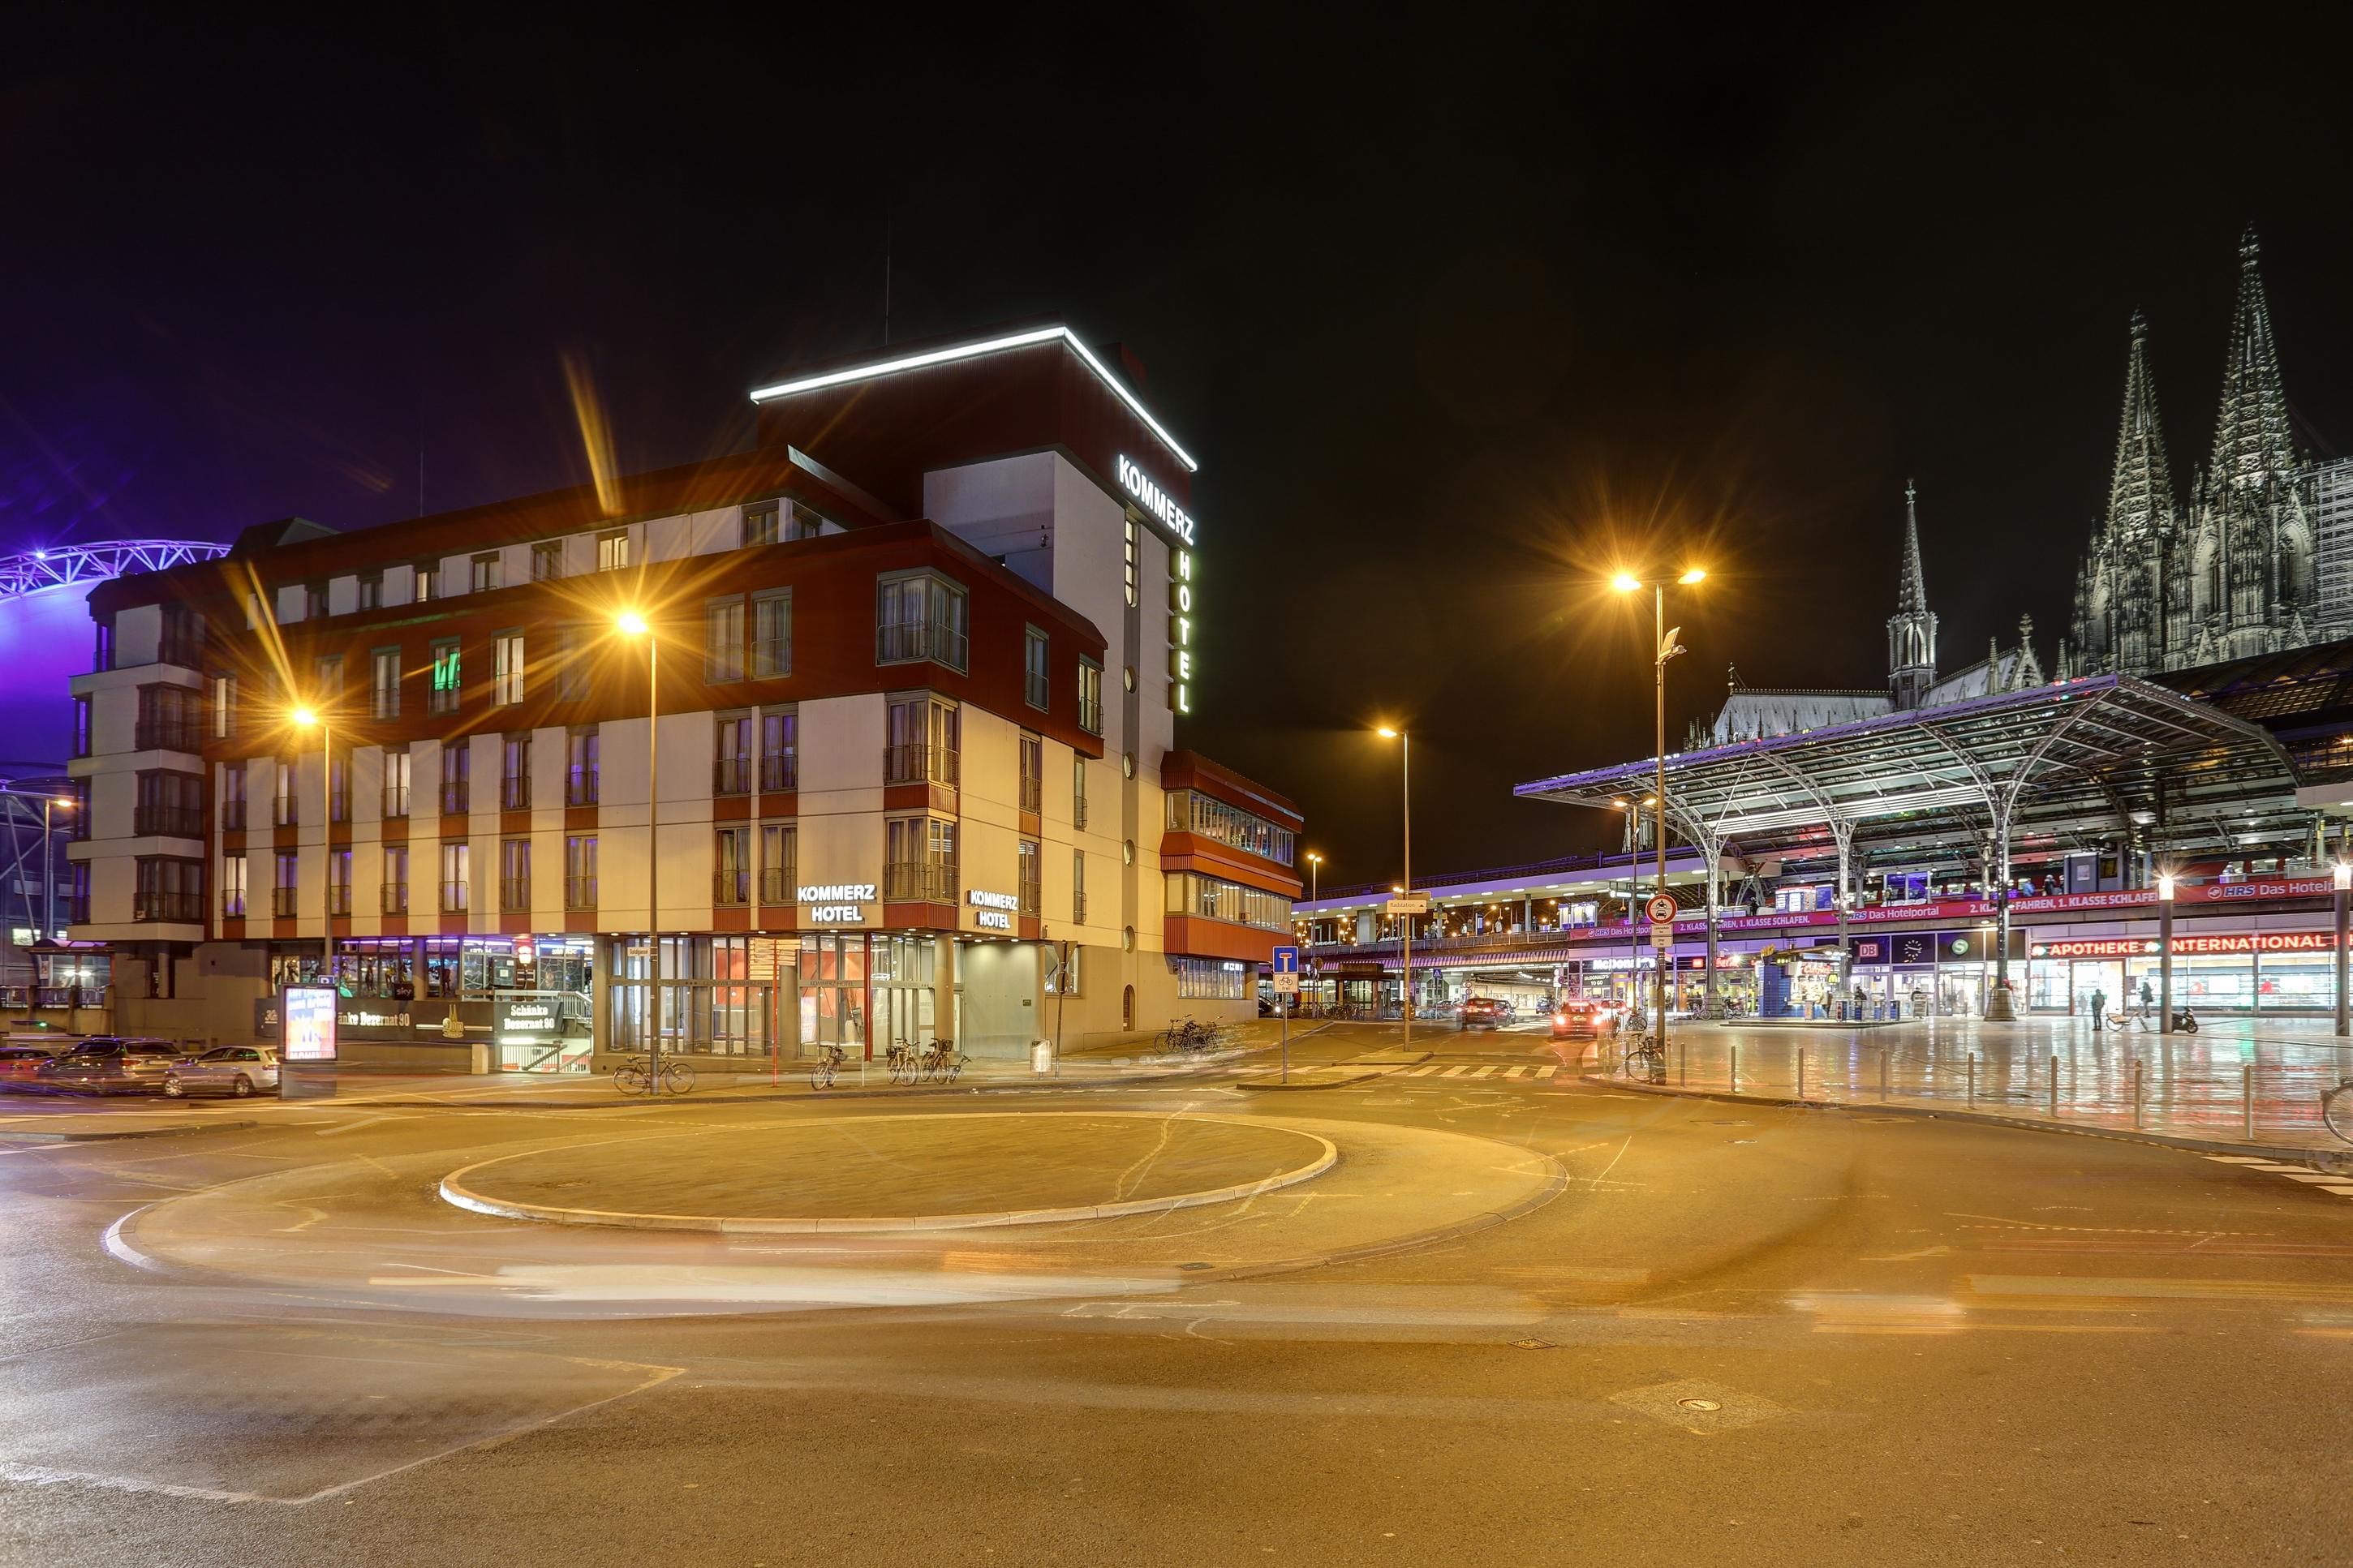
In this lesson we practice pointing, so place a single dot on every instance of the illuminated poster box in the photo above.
(307, 1024)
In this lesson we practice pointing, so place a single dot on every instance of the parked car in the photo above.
(237, 1070)
(108, 1065)
(1582, 1017)
(18, 1063)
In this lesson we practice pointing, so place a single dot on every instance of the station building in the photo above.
(918, 660)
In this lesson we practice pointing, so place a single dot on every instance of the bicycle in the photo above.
(2337, 1109)
(904, 1063)
(636, 1075)
(943, 1061)
(1646, 1060)
(828, 1062)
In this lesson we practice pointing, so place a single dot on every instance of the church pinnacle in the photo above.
(2251, 430)
(1912, 629)
(2140, 488)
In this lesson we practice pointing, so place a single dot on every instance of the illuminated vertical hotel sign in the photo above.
(1179, 523)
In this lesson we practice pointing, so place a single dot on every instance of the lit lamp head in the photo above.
(1386, 733)
(1692, 576)
(66, 803)
(304, 718)
(1625, 583)
(2165, 887)
(2343, 872)
(629, 624)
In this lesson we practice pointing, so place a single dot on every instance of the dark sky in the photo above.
(1456, 319)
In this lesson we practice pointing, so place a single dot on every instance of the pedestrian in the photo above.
(2099, 1007)
(2148, 997)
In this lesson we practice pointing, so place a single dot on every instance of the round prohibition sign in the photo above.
(1662, 907)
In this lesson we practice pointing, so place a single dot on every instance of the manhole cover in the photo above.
(1743, 1139)
(1701, 1404)
(1533, 1344)
(1698, 1406)
(1196, 1266)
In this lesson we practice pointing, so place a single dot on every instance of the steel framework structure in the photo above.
(76, 565)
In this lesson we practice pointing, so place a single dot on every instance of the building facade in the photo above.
(909, 680)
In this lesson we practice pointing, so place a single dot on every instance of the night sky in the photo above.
(1455, 323)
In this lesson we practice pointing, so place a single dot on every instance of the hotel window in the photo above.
(1033, 774)
(571, 665)
(233, 887)
(580, 872)
(514, 771)
(395, 879)
(1079, 887)
(1129, 549)
(81, 726)
(731, 754)
(103, 657)
(287, 807)
(1077, 791)
(182, 638)
(169, 805)
(506, 669)
(169, 889)
(456, 859)
(723, 641)
(1091, 697)
(613, 549)
(223, 707)
(428, 581)
(327, 680)
(920, 861)
(1214, 979)
(1215, 899)
(339, 788)
(922, 741)
(1064, 977)
(339, 882)
(233, 797)
(1189, 811)
(1036, 686)
(383, 683)
(580, 780)
(170, 719)
(547, 560)
(731, 883)
(514, 876)
(760, 523)
(779, 854)
(286, 883)
(396, 779)
(448, 677)
(1030, 876)
(314, 601)
(919, 615)
(484, 574)
(780, 748)
(772, 634)
(456, 776)
(370, 590)
(801, 523)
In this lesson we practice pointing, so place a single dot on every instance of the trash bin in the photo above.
(479, 1058)
(1042, 1055)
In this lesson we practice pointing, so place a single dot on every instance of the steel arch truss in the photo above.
(76, 565)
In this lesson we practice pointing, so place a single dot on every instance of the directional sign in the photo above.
(1286, 968)
(1662, 907)
(1662, 936)
(1411, 904)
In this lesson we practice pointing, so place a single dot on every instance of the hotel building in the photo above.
(916, 662)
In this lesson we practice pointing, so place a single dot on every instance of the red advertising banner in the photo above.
(2190, 946)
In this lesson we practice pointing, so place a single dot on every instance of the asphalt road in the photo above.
(1730, 1334)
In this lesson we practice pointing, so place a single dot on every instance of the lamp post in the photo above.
(1405, 756)
(631, 624)
(1314, 865)
(307, 717)
(2343, 872)
(1664, 649)
(2164, 954)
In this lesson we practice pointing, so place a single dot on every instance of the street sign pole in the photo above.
(1283, 970)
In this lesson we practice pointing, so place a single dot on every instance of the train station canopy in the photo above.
(2074, 764)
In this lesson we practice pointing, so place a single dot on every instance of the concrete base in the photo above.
(1999, 1006)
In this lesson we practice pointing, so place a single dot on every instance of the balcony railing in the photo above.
(395, 898)
(777, 885)
(282, 901)
(514, 895)
(580, 892)
(285, 810)
(232, 906)
(168, 822)
(1078, 909)
(453, 898)
(731, 887)
(922, 881)
(780, 772)
(731, 775)
(897, 642)
(915, 761)
(514, 792)
(165, 735)
(233, 815)
(1078, 810)
(453, 798)
(1027, 894)
(153, 906)
(580, 787)
(395, 801)
(1032, 791)
(339, 898)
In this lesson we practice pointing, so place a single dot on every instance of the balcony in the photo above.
(453, 798)
(395, 898)
(183, 907)
(780, 772)
(395, 801)
(514, 793)
(233, 815)
(282, 902)
(777, 885)
(731, 887)
(168, 822)
(731, 775)
(580, 892)
(165, 735)
(915, 762)
(580, 787)
(919, 881)
(514, 895)
(339, 898)
(900, 643)
(453, 898)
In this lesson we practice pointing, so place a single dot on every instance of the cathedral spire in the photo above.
(1911, 589)
(2141, 488)
(1912, 629)
(2250, 432)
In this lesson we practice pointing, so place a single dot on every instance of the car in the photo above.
(109, 1065)
(1485, 1013)
(19, 1063)
(235, 1070)
(1582, 1017)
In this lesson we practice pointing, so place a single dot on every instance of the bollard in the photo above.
(1732, 1074)
(1802, 1074)
(1883, 1072)
(1683, 1063)
(1973, 1078)
(2052, 1089)
(2138, 1093)
(2247, 1096)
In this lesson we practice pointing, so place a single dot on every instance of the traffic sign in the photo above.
(1409, 904)
(1285, 969)
(1662, 907)
(1662, 936)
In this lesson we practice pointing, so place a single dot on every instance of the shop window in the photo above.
(1212, 979)
(1063, 980)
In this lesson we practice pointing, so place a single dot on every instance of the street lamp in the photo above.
(1314, 865)
(304, 717)
(1405, 756)
(629, 623)
(48, 867)
(1664, 649)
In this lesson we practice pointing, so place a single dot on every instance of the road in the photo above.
(1521, 1320)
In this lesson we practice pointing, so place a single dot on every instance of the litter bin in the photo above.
(1042, 1055)
(479, 1058)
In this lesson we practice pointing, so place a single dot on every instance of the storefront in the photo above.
(1925, 974)
(2226, 973)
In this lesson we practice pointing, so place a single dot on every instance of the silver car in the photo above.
(239, 1070)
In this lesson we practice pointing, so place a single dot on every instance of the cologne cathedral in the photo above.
(2226, 570)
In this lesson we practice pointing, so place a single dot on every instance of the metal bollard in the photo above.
(2140, 1092)
(1802, 1074)
(2247, 1096)
(1973, 1078)
(1732, 1074)
(2052, 1089)
(1682, 1064)
(1883, 1072)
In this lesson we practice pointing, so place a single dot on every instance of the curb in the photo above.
(2319, 1158)
(452, 1192)
(1261, 1085)
(1555, 1185)
(12, 1136)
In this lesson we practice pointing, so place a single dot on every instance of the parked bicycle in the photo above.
(1646, 1059)
(941, 1062)
(636, 1075)
(1193, 1037)
(2337, 1109)
(829, 1063)
(905, 1061)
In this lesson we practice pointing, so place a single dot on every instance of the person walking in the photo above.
(2099, 1008)
(2147, 996)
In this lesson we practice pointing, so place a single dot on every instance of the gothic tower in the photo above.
(2121, 595)
(1912, 629)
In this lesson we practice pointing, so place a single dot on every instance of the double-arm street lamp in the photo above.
(629, 623)
(1664, 649)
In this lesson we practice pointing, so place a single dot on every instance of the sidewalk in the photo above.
(2238, 1086)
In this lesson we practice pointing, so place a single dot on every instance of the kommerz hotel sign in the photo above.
(837, 903)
